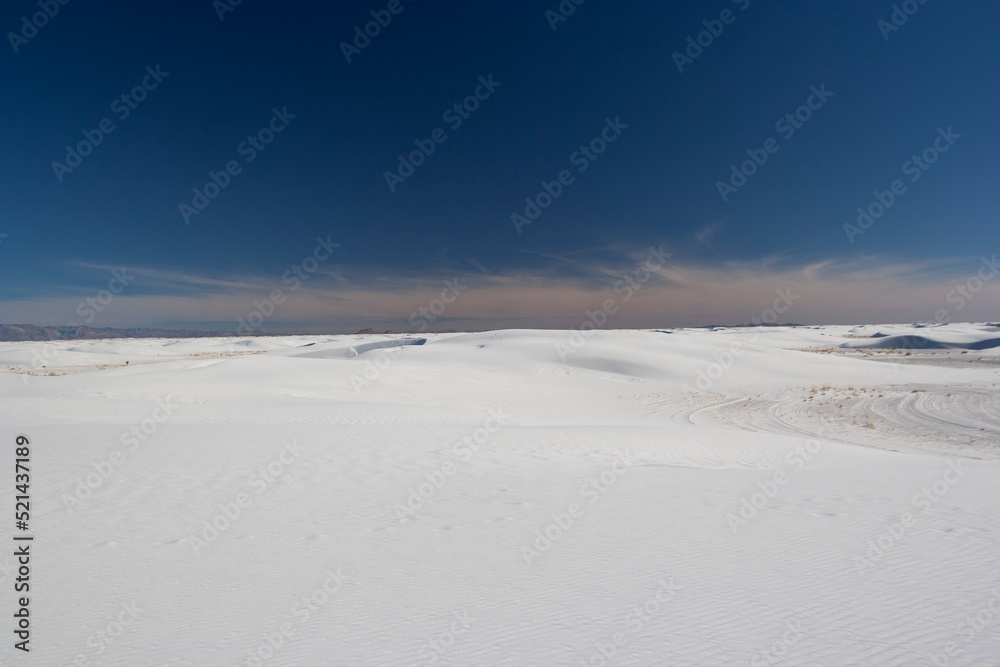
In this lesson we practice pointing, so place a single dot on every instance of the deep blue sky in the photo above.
(324, 173)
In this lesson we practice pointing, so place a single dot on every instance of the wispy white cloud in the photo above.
(342, 298)
(707, 232)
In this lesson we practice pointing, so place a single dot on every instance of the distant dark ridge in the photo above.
(750, 324)
(27, 332)
(912, 342)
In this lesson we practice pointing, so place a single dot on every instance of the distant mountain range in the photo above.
(23, 332)
(18, 332)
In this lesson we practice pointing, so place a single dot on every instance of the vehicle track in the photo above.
(954, 421)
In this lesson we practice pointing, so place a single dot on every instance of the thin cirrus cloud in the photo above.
(704, 235)
(341, 298)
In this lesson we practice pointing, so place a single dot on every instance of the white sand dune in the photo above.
(740, 497)
(940, 337)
